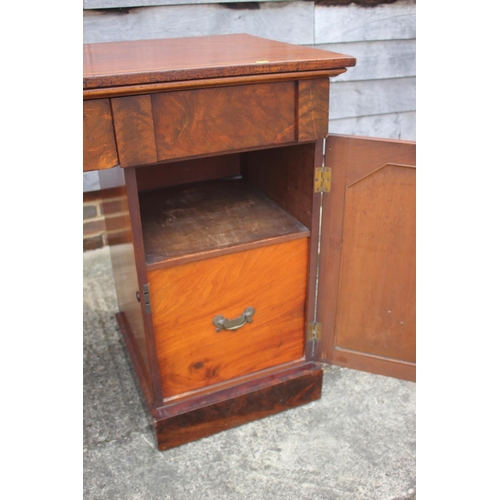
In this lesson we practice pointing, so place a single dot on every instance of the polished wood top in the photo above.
(174, 59)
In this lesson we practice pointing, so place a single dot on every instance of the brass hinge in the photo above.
(313, 331)
(145, 292)
(322, 180)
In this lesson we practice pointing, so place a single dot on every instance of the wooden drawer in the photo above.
(99, 148)
(187, 123)
(185, 299)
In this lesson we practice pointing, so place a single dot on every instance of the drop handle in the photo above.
(221, 323)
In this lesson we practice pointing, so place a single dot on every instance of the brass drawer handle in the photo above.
(233, 324)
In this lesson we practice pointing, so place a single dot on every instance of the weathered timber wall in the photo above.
(376, 98)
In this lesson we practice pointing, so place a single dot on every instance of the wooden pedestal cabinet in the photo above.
(211, 160)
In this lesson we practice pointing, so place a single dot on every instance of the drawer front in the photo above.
(186, 123)
(185, 300)
(99, 148)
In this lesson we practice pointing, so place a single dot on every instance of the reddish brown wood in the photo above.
(191, 353)
(120, 203)
(183, 172)
(313, 98)
(175, 105)
(367, 283)
(176, 59)
(286, 175)
(379, 250)
(121, 244)
(244, 379)
(184, 222)
(99, 148)
(134, 128)
(138, 242)
(375, 364)
(226, 119)
(134, 350)
(209, 414)
(152, 88)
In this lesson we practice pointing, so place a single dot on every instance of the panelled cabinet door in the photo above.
(366, 297)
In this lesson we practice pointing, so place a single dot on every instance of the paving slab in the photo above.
(357, 442)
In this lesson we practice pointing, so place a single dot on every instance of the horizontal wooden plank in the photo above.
(272, 20)
(377, 60)
(389, 126)
(372, 97)
(91, 181)
(354, 23)
(166, 63)
(408, 126)
(115, 4)
(202, 416)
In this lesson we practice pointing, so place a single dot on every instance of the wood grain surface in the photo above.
(134, 129)
(312, 109)
(185, 299)
(350, 23)
(187, 171)
(188, 123)
(134, 353)
(373, 97)
(120, 239)
(99, 147)
(200, 417)
(286, 175)
(193, 122)
(366, 299)
(121, 206)
(227, 81)
(290, 22)
(190, 220)
(376, 304)
(174, 59)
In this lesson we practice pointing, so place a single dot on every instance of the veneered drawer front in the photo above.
(185, 300)
(99, 148)
(179, 124)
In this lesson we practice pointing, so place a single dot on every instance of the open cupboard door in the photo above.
(366, 294)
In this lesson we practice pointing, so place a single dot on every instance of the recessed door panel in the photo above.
(367, 281)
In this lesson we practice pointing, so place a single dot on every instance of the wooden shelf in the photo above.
(195, 221)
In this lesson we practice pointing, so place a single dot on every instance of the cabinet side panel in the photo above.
(367, 269)
(119, 234)
(99, 147)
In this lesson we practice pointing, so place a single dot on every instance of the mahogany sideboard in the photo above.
(210, 152)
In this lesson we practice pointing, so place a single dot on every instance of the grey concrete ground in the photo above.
(356, 442)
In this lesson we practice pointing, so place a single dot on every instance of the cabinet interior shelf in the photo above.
(190, 222)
